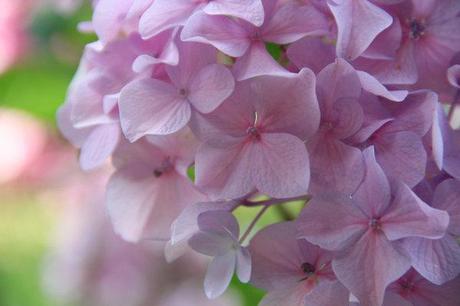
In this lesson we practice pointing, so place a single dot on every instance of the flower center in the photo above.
(183, 92)
(254, 131)
(308, 269)
(417, 29)
(165, 167)
(375, 224)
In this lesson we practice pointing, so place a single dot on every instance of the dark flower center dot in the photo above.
(165, 167)
(375, 224)
(253, 132)
(308, 268)
(417, 29)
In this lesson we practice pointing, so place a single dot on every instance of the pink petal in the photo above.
(222, 32)
(415, 114)
(292, 21)
(331, 161)
(294, 296)
(409, 216)
(257, 62)
(372, 85)
(373, 196)
(186, 225)
(436, 260)
(328, 294)
(400, 71)
(243, 265)
(150, 106)
(337, 80)
(165, 14)
(297, 95)
(249, 10)
(358, 23)
(369, 267)
(225, 172)
(106, 18)
(219, 275)
(131, 196)
(210, 87)
(332, 221)
(386, 44)
(311, 52)
(277, 257)
(193, 57)
(402, 156)
(280, 166)
(99, 145)
(76, 136)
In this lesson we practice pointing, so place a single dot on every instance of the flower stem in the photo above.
(253, 223)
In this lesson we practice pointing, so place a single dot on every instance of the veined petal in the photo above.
(153, 107)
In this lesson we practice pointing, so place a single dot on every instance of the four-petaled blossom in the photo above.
(253, 142)
(294, 271)
(366, 229)
(218, 237)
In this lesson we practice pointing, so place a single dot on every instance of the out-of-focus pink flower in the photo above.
(22, 141)
(12, 33)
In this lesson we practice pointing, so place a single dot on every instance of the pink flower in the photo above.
(283, 24)
(254, 141)
(293, 271)
(366, 227)
(151, 106)
(218, 237)
(150, 187)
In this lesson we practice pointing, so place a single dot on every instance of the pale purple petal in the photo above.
(249, 10)
(297, 96)
(280, 166)
(402, 156)
(222, 32)
(99, 145)
(210, 87)
(257, 62)
(332, 221)
(330, 162)
(409, 216)
(165, 14)
(106, 18)
(311, 52)
(437, 260)
(373, 196)
(211, 243)
(131, 196)
(294, 296)
(220, 222)
(369, 267)
(293, 21)
(372, 85)
(219, 275)
(358, 23)
(153, 107)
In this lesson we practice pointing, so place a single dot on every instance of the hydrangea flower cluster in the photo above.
(344, 105)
